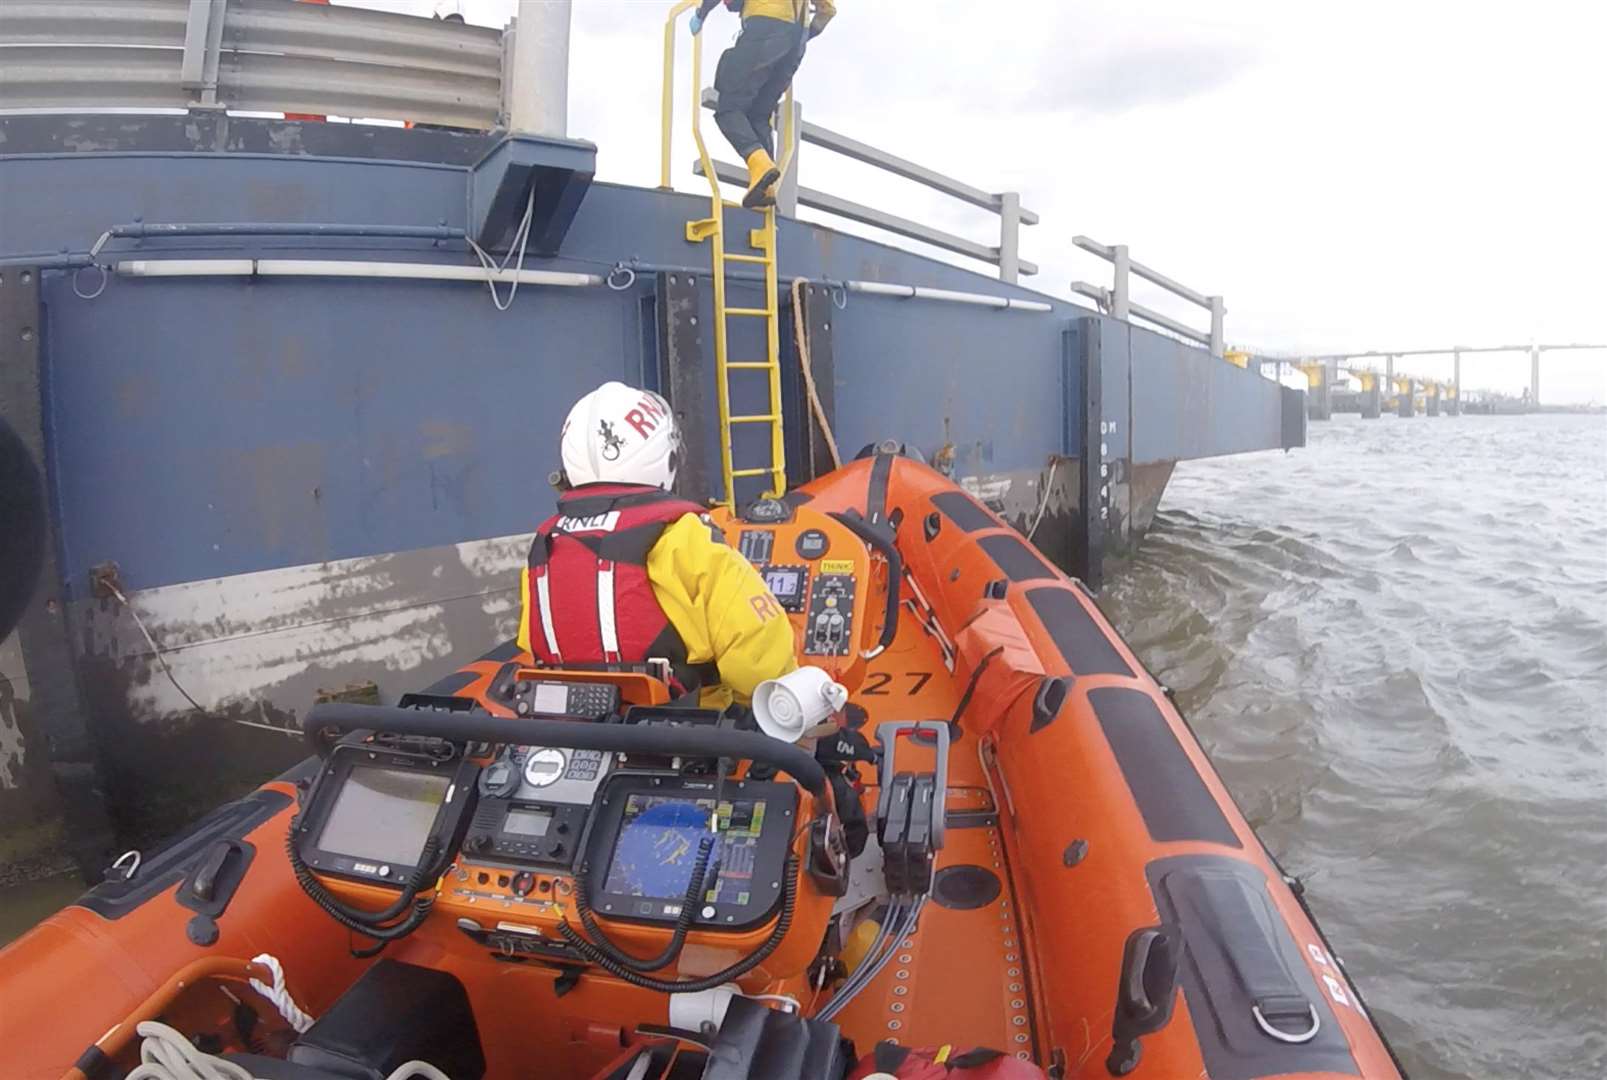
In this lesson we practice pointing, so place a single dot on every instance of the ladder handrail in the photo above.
(722, 385)
(667, 108)
(667, 118)
(762, 239)
(697, 118)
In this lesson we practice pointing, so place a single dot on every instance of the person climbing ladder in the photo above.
(755, 72)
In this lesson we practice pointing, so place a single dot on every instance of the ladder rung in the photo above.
(750, 472)
(748, 365)
(751, 312)
(767, 418)
(734, 257)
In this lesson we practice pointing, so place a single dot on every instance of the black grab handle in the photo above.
(1145, 993)
(882, 540)
(572, 734)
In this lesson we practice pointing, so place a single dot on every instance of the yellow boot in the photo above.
(762, 176)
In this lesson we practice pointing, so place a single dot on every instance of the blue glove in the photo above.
(697, 22)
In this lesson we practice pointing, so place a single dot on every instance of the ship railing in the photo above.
(1006, 255)
(252, 56)
(1116, 300)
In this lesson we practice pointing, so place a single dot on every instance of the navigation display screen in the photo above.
(658, 843)
(785, 584)
(383, 815)
(527, 822)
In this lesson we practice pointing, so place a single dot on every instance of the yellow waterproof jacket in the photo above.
(791, 11)
(718, 604)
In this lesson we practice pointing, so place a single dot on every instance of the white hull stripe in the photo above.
(544, 601)
(605, 612)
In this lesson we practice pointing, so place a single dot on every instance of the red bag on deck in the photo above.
(922, 1063)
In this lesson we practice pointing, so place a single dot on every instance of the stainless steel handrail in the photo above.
(1117, 302)
(1007, 205)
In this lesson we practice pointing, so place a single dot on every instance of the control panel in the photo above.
(819, 573)
(831, 607)
(582, 700)
(534, 803)
(517, 844)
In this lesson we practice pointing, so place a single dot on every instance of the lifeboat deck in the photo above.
(970, 934)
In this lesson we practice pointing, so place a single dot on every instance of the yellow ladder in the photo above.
(761, 241)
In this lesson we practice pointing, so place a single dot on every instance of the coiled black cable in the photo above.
(789, 899)
(683, 922)
(372, 924)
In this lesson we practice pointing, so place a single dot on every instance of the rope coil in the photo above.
(167, 1055)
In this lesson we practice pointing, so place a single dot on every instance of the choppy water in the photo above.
(1394, 645)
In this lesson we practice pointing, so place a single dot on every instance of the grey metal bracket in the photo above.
(557, 171)
(203, 44)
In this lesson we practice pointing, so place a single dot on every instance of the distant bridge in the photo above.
(1399, 392)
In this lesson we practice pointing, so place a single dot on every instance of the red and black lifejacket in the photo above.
(590, 600)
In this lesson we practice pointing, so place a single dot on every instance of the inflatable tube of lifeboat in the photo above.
(1137, 870)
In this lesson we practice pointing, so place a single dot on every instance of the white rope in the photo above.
(1043, 504)
(809, 373)
(156, 650)
(494, 269)
(279, 994)
(167, 1055)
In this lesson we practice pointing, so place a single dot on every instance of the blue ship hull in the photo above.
(307, 485)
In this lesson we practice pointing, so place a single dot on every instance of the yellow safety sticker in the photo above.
(837, 566)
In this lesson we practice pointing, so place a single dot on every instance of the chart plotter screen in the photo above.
(658, 843)
(383, 814)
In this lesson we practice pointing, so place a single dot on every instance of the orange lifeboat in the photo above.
(524, 873)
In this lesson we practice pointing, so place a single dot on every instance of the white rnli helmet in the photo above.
(621, 435)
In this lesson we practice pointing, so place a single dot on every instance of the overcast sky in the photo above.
(1352, 175)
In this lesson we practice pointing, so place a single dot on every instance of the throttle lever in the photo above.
(887, 735)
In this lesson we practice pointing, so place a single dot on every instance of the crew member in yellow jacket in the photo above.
(626, 572)
(755, 72)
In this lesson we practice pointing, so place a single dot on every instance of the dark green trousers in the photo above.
(751, 78)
